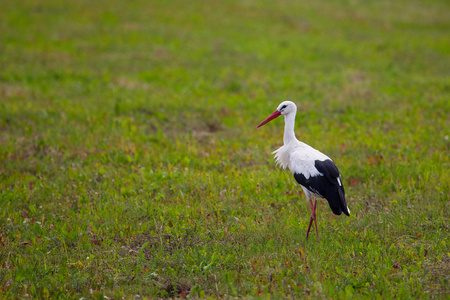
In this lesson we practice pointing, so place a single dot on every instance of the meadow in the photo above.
(131, 166)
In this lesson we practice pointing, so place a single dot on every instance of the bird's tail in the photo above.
(337, 202)
(344, 206)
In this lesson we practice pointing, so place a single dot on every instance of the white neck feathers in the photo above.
(289, 134)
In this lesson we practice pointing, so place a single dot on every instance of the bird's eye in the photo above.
(283, 107)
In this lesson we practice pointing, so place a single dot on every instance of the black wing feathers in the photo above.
(326, 186)
(328, 168)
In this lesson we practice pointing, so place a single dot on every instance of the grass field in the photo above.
(130, 163)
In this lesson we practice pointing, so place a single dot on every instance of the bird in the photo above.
(314, 171)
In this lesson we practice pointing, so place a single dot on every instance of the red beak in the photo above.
(270, 118)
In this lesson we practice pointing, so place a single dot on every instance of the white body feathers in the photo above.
(299, 158)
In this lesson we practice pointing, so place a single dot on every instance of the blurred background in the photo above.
(129, 128)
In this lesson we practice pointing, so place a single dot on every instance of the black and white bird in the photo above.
(314, 171)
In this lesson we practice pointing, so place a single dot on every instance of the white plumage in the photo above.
(299, 157)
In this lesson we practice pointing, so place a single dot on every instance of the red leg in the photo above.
(309, 227)
(313, 218)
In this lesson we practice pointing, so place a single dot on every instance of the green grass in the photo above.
(130, 163)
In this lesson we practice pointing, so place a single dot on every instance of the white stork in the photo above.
(314, 171)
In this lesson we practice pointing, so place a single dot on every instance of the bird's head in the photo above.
(285, 108)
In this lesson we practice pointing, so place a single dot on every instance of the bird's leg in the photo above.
(309, 227)
(312, 208)
(313, 218)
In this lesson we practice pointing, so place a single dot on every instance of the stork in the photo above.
(316, 173)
